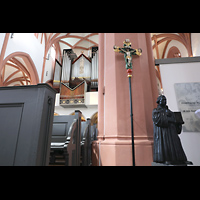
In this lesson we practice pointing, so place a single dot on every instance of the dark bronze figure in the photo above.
(167, 126)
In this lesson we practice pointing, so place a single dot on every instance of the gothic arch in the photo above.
(183, 38)
(173, 52)
(30, 69)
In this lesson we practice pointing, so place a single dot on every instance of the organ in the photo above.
(76, 76)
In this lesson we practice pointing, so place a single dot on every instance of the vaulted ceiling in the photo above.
(82, 41)
(160, 42)
(16, 72)
(76, 41)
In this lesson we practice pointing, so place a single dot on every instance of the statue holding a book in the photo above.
(167, 144)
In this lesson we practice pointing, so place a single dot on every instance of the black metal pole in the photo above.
(128, 53)
(132, 130)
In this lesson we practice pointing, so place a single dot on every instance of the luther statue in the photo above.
(167, 144)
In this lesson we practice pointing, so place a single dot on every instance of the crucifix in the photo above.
(128, 53)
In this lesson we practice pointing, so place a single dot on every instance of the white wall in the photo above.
(182, 73)
(195, 37)
(91, 101)
(91, 98)
(49, 65)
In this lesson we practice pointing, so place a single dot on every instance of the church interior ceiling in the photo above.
(79, 42)
(16, 71)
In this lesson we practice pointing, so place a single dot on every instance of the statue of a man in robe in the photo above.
(167, 144)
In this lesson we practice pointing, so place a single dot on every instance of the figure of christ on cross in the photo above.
(128, 53)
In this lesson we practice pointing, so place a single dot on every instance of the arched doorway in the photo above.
(18, 69)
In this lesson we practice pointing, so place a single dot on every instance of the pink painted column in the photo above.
(101, 88)
(114, 144)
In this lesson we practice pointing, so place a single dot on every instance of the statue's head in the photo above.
(162, 100)
(127, 43)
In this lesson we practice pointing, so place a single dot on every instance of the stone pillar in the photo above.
(114, 138)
